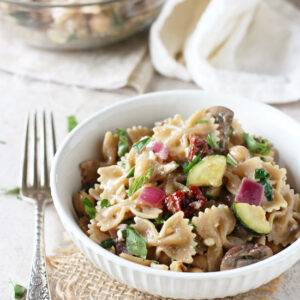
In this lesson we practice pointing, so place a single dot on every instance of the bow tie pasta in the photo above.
(195, 195)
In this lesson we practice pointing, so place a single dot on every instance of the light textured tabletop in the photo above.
(19, 96)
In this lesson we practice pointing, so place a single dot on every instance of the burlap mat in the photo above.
(73, 277)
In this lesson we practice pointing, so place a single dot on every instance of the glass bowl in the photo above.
(76, 24)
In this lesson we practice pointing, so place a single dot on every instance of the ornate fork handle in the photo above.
(38, 285)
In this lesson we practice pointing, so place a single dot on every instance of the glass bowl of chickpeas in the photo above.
(76, 24)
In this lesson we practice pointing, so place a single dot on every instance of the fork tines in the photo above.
(36, 164)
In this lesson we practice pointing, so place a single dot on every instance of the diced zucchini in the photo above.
(252, 217)
(208, 172)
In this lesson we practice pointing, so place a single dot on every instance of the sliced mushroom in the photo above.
(244, 255)
(224, 117)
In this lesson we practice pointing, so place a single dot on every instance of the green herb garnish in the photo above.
(17, 291)
(219, 118)
(123, 144)
(136, 244)
(12, 190)
(263, 158)
(141, 144)
(2, 142)
(230, 132)
(158, 221)
(262, 176)
(212, 142)
(183, 164)
(231, 160)
(201, 121)
(107, 243)
(104, 203)
(131, 173)
(123, 165)
(173, 259)
(139, 182)
(72, 122)
(256, 146)
(210, 197)
(155, 261)
(192, 163)
(89, 208)
(191, 224)
(128, 221)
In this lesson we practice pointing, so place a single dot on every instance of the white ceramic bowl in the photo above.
(83, 144)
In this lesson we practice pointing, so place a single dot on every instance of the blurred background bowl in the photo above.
(76, 24)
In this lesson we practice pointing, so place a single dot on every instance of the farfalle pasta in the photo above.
(195, 195)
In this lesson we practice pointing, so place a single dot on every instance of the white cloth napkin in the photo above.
(125, 64)
(247, 48)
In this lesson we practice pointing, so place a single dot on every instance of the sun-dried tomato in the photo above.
(196, 145)
(190, 202)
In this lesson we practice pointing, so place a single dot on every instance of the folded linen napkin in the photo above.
(247, 48)
(125, 64)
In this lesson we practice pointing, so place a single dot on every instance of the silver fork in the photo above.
(37, 191)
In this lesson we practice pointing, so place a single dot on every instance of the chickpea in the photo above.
(239, 153)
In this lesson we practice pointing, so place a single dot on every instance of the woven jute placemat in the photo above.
(73, 277)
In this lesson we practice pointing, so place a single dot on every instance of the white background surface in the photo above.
(19, 96)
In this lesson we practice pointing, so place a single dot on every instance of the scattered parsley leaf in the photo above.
(17, 291)
(183, 164)
(263, 158)
(141, 144)
(128, 221)
(130, 173)
(89, 208)
(201, 121)
(155, 262)
(192, 163)
(104, 203)
(173, 259)
(12, 190)
(139, 182)
(262, 176)
(2, 142)
(191, 224)
(231, 160)
(72, 122)
(158, 221)
(212, 142)
(123, 144)
(107, 243)
(256, 146)
(230, 132)
(123, 165)
(136, 244)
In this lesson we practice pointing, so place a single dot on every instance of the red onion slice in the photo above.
(152, 196)
(250, 192)
(160, 149)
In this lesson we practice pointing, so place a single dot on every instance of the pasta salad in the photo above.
(195, 195)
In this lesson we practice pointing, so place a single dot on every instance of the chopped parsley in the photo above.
(136, 244)
(192, 163)
(128, 221)
(212, 142)
(231, 160)
(141, 144)
(72, 122)
(155, 261)
(158, 221)
(219, 118)
(107, 243)
(89, 208)
(140, 181)
(210, 197)
(183, 164)
(123, 144)
(256, 146)
(123, 165)
(262, 176)
(104, 203)
(191, 224)
(12, 190)
(201, 121)
(17, 291)
(130, 173)
(263, 158)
